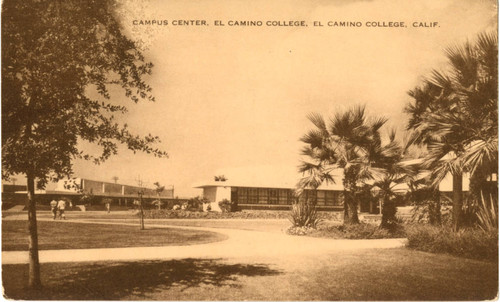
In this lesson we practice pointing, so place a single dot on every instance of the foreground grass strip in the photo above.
(389, 274)
(67, 235)
(117, 280)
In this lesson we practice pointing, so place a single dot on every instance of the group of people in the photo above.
(57, 208)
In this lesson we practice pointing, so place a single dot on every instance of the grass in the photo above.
(392, 274)
(79, 214)
(67, 235)
(276, 226)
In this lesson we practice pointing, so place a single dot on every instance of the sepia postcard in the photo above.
(221, 150)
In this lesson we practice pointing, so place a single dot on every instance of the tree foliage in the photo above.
(54, 54)
(61, 60)
(390, 159)
(455, 115)
(455, 112)
(347, 142)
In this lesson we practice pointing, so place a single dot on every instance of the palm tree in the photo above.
(454, 114)
(393, 173)
(342, 144)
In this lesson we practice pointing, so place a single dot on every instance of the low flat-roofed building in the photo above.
(278, 195)
(73, 189)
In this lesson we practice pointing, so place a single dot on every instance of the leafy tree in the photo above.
(455, 115)
(344, 143)
(56, 55)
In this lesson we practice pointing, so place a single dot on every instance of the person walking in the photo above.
(61, 206)
(53, 208)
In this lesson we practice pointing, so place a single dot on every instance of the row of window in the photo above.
(285, 196)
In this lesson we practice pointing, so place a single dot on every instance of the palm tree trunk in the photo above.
(352, 208)
(388, 212)
(346, 207)
(350, 204)
(34, 263)
(457, 200)
(435, 208)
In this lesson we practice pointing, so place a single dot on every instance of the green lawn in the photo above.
(67, 235)
(392, 274)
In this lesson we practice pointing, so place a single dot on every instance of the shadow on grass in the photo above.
(116, 280)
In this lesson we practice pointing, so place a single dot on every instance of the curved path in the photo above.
(240, 243)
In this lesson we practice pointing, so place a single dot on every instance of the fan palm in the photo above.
(388, 159)
(455, 113)
(342, 144)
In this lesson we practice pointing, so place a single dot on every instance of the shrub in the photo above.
(157, 203)
(226, 206)
(304, 214)
(351, 231)
(87, 199)
(487, 214)
(425, 211)
(195, 204)
(469, 243)
(299, 231)
(245, 214)
(366, 231)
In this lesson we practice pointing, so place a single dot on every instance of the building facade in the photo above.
(96, 191)
(268, 197)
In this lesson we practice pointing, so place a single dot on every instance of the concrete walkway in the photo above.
(240, 243)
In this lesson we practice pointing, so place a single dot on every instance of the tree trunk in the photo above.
(34, 263)
(388, 212)
(457, 200)
(350, 201)
(346, 207)
(142, 213)
(435, 208)
(352, 208)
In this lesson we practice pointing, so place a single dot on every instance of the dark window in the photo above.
(283, 196)
(273, 196)
(333, 198)
(253, 195)
(242, 195)
(263, 196)
(330, 198)
(320, 198)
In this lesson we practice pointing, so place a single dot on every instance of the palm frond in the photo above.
(319, 122)
(481, 153)
(462, 59)
(487, 214)
(314, 175)
(314, 138)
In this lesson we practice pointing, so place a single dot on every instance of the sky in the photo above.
(234, 100)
